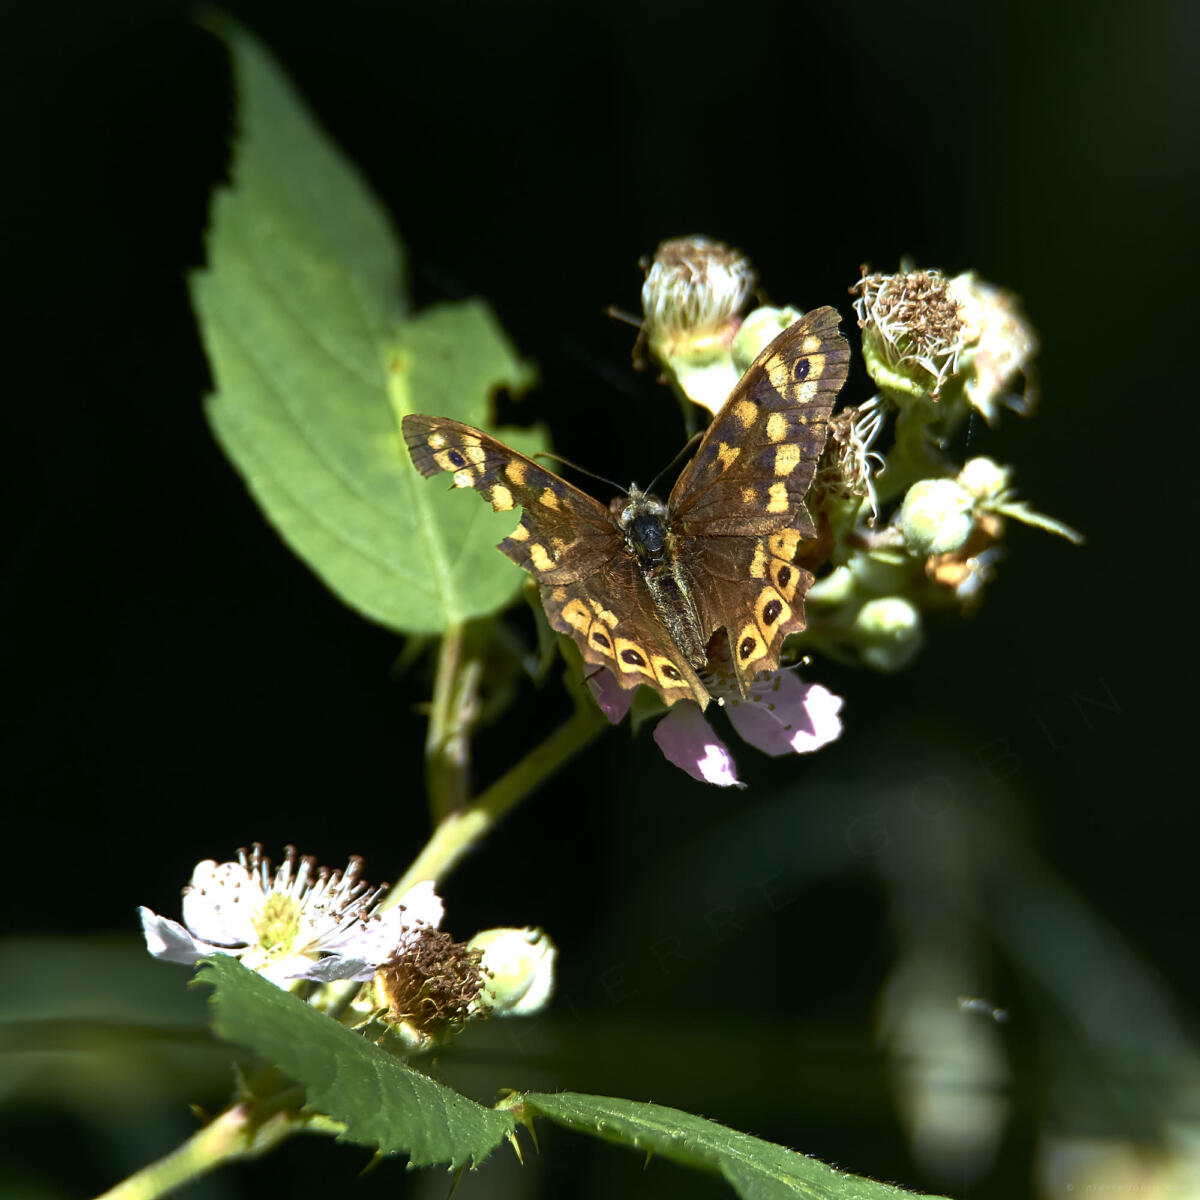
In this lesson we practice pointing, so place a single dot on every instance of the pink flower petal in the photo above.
(613, 699)
(785, 715)
(687, 740)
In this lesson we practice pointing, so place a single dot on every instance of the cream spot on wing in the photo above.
(608, 617)
(787, 458)
(538, 556)
(745, 412)
(520, 534)
(515, 470)
(502, 499)
(557, 545)
(747, 495)
(548, 498)
(777, 427)
(436, 440)
(577, 616)
(727, 453)
(758, 564)
(778, 498)
(470, 439)
(806, 393)
(464, 478)
(783, 544)
(558, 594)
(811, 345)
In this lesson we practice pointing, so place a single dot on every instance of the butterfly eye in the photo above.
(800, 370)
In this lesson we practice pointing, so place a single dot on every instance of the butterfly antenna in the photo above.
(566, 462)
(690, 443)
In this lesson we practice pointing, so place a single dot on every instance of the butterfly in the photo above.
(667, 594)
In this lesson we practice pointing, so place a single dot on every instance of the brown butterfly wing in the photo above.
(590, 586)
(738, 508)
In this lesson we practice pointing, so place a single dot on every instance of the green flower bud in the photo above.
(759, 330)
(936, 517)
(984, 479)
(888, 633)
(519, 966)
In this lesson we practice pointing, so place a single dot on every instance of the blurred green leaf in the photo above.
(382, 1102)
(301, 309)
(756, 1170)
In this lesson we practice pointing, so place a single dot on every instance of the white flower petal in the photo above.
(329, 970)
(421, 905)
(169, 940)
(220, 903)
(687, 740)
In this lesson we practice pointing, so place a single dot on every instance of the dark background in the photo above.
(180, 685)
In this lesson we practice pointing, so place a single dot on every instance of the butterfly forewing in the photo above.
(738, 508)
(757, 459)
(590, 587)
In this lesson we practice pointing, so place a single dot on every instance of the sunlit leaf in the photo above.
(382, 1102)
(302, 311)
(756, 1170)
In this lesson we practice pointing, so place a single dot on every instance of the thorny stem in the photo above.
(248, 1127)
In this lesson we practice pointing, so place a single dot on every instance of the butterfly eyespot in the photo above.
(771, 611)
(456, 458)
(783, 576)
(633, 658)
(800, 370)
(670, 672)
(601, 640)
(747, 647)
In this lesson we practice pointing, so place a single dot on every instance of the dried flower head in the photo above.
(911, 320)
(849, 465)
(694, 289)
(430, 987)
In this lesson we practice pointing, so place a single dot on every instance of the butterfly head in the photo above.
(642, 519)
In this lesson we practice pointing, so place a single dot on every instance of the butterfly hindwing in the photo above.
(757, 459)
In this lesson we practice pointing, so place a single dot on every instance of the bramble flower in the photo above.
(298, 922)
(781, 715)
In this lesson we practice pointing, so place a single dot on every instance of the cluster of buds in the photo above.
(908, 529)
(306, 927)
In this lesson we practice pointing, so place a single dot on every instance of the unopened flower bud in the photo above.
(888, 633)
(519, 969)
(760, 328)
(984, 479)
(936, 517)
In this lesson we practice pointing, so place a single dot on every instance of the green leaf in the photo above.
(301, 309)
(756, 1170)
(382, 1102)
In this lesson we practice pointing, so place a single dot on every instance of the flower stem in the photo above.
(247, 1128)
(447, 744)
(459, 831)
